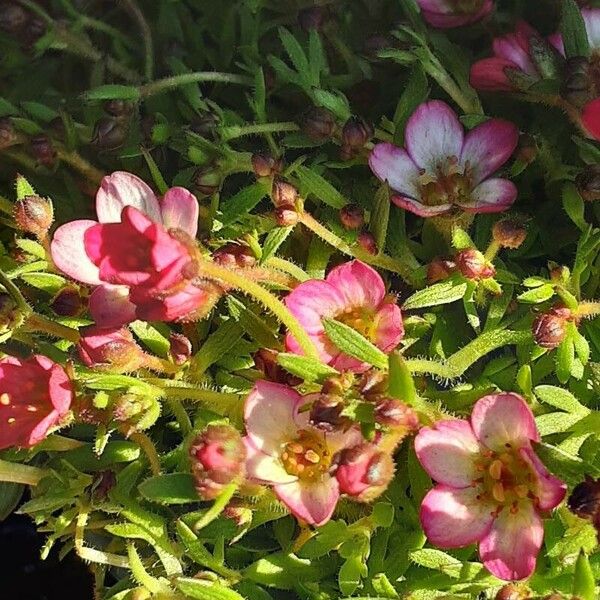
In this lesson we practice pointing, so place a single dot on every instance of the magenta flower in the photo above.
(354, 294)
(512, 67)
(446, 14)
(286, 452)
(491, 486)
(134, 255)
(35, 396)
(442, 168)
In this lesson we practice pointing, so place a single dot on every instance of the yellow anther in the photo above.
(11, 420)
(495, 469)
(4, 399)
(521, 491)
(31, 408)
(498, 492)
(312, 457)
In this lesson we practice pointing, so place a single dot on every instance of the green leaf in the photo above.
(414, 93)
(295, 52)
(584, 581)
(560, 398)
(319, 187)
(200, 589)
(10, 496)
(351, 342)
(444, 292)
(557, 422)
(383, 514)
(438, 561)
(380, 215)
(48, 282)
(273, 241)
(243, 202)
(565, 359)
(537, 295)
(31, 247)
(350, 575)
(401, 384)
(217, 344)
(335, 101)
(254, 326)
(113, 92)
(170, 488)
(461, 239)
(309, 369)
(84, 458)
(151, 337)
(573, 30)
(574, 205)
(23, 188)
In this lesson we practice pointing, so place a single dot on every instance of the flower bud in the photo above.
(373, 383)
(129, 407)
(265, 361)
(577, 85)
(205, 125)
(207, 180)
(68, 302)
(439, 269)
(180, 348)
(509, 233)
(118, 108)
(396, 414)
(286, 215)
(109, 133)
(112, 348)
(511, 591)
(265, 165)
(550, 328)
(473, 264)
(364, 472)
(104, 481)
(8, 135)
(283, 193)
(584, 500)
(355, 134)
(13, 17)
(10, 315)
(326, 413)
(217, 455)
(367, 242)
(313, 18)
(34, 214)
(318, 124)
(588, 183)
(34, 29)
(352, 216)
(233, 254)
(43, 150)
(240, 514)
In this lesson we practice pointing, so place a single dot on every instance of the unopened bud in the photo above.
(240, 514)
(473, 264)
(43, 150)
(112, 348)
(8, 135)
(396, 414)
(356, 133)
(207, 180)
(265, 165)
(13, 17)
(118, 108)
(129, 407)
(109, 133)
(218, 455)
(68, 302)
(509, 233)
(367, 242)
(10, 315)
(234, 255)
(577, 85)
(550, 328)
(205, 124)
(364, 472)
(511, 591)
(527, 149)
(439, 269)
(180, 348)
(352, 216)
(588, 183)
(104, 481)
(318, 124)
(283, 193)
(326, 413)
(313, 18)
(34, 214)
(286, 216)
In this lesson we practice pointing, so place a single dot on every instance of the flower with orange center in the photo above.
(286, 452)
(492, 488)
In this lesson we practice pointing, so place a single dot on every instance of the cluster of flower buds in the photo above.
(356, 132)
(550, 328)
(234, 255)
(217, 458)
(265, 165)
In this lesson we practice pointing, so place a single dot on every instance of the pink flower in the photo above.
(442, 168)
(354, 294)
(492, 487)
(111, 347)
(512, 67)
(446, 14)
(591, 18)
(286, 452)
(590, 118)
(138, 255)
(35, 396)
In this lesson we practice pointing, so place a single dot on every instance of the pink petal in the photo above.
(68, 252)
(269, 415)
(327, 351)
(551, 490)
(422, 210)
(452, 518)
(40, 431)
(342, 362)
(491, 196)
(179, 209)
(510, 549)
(313, 502)
(60, 389)
(448, 21)
(265, 468)
(487, 147)
(590, 117)
(178, 306)
(388, 327)
(489, 74)
(313, 300)
(444, 7)
(122, 189)
(500, 419)
(110, 306)
(515, 47)
(339, 440)
(394, 165)
(591, 16)
(448, 452)
(358, 284)
(556, 40)
(433, 135)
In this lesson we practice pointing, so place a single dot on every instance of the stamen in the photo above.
(296, 448)
(521, 490)
(11, 420)
(495, 469)
(4, 399)
(498, 492)
(312, 457)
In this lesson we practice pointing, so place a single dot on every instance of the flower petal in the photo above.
(179, 209)
(590, 117)
(358, 284)
(516, 48)
(422, 210)
(491, 196)
(453, 518)
(122, 189)
(591, 17)
(110, 306)
(311, 301)
(551, 490)
(394, 165)
(489, 74)
(488, 146)
(264, 468)
(269, 415)
(59, 388)
(388, 327)
(311, 501)
(510, 548)
(500, 419)
(448, 21)
(448, 452)
(433, 135)
(68, 252)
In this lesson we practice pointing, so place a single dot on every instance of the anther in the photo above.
(498, 492)
(4, 399)
(495, 469)
(312, 457)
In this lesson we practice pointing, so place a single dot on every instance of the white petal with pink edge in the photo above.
(420, 209)
(311, 501)
(122, 189)
(551, 490)
(491, 196)
(265, 468)
(509, 550)
(505, 418)
(448, 452)
(394, 165)
(68, 252)
(453, 518)
(110, 306)
(179, 210)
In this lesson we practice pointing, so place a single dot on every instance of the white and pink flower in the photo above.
(591, 18)
(446, 14)
(136, 255)
(354, 294)
(491, 486)
(287, 453)
(441, 168)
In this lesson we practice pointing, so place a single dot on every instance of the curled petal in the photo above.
(590, 117)
(68, 252)
(551, 490)
(591, 17)
(420, 209)
(491, 196)
(453, 518)
(110, 306)
(394, 165)
(313, 502)
(313, 300)
(60, 388)
(179, 210)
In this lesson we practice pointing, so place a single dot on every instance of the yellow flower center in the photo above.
(447, 186)
(306, 456)
(360, 319)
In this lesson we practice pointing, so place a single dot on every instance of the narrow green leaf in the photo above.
(414, 93)
(438, 561)
(170, 488)
(23, 188)
(85, 459)
(560, 398)
(309, 369)
(444, 292)
(537, 295)
(200, 589)
(401, 384)
(584, 581)
(335, 101)
(31, 247)
(10, 496)
(151, 337)
(48, 282)
(573, 30)
(243, 202)
(273, 241)
(319, 187)
(380, 215)
(113, 92)
(574, 205)
(295, 53)
(218, 343)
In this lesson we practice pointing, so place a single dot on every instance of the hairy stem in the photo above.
(138, 15)
(170, 83)
(37, 322)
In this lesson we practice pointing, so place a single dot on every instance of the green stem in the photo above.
(36, 322)
(289, 267)
(77, 162)
(214, 271)
(492, 250)
(15, 293)
(18, 473)
(235, 131)
(183, 419)
(588, 309)
(170, 83)
(6, 206)
(138, 15)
